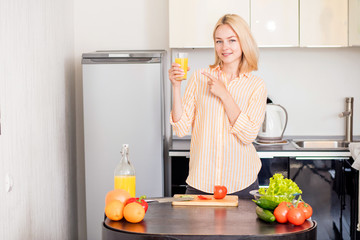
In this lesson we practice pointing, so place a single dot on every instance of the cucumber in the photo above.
(264, 214)
(266, 204)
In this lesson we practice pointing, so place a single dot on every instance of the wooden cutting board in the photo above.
(227, 201)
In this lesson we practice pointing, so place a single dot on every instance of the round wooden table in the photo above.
(164, 221)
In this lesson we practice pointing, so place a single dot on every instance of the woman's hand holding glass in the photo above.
(176, 74)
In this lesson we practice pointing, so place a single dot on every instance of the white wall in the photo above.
(37, 143)
(312, 84)
(112, 25)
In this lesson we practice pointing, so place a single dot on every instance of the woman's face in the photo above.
(227, 45)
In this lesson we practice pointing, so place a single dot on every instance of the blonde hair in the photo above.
(249, 48)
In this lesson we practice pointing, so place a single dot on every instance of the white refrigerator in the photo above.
(123, 101)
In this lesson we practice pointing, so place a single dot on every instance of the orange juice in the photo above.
(127, 183)
(184, 65)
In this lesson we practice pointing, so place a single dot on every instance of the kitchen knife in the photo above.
(169, 199)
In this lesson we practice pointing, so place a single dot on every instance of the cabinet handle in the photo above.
(179, 154)
(321, 158)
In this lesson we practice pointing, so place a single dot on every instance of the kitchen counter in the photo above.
(164, 221)
(181, 147)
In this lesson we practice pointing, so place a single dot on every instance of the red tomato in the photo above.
(281, 212)
(140, 201)
(306, 208)
(220, 192)
(289, 204)
(296, 216)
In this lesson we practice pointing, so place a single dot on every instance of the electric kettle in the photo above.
(274, 125)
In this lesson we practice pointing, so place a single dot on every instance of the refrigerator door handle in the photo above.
(120, 60)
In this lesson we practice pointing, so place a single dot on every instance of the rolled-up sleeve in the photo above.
(182, 127)
(248, 122)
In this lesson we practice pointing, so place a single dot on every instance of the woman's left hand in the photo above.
(216, 85)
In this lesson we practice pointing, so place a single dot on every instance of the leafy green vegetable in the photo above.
(280, 189)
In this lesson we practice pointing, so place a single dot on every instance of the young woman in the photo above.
(224, 105)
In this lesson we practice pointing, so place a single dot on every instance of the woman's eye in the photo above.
(218, 41)
(232, 40)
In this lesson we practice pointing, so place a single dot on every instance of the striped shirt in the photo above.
(221, 154)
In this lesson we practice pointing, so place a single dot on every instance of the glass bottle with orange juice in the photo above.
(124, 174)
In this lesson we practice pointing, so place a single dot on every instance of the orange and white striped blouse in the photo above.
(221, 154)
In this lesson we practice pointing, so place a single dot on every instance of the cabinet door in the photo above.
(321, 184)
(354, 22)
(191, 22)
(323, 23)
(179, 173)
(275, 22)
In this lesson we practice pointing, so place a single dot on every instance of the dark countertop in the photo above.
(181, 147)
(164, 221)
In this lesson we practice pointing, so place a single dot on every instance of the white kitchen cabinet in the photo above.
(323, 23)
(275, 22)
(191, 22)
(354, 22)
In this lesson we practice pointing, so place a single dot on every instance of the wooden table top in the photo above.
(165, 221)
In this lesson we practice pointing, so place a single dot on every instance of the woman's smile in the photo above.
(226, 54)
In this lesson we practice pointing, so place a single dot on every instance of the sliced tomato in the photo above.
(202, 197)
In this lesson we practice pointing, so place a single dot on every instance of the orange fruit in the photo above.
(134, 212)
(114, 210)
(117, 194)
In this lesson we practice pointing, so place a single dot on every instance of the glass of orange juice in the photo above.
(182, 59)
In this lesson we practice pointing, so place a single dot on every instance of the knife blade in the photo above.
(168, 199)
